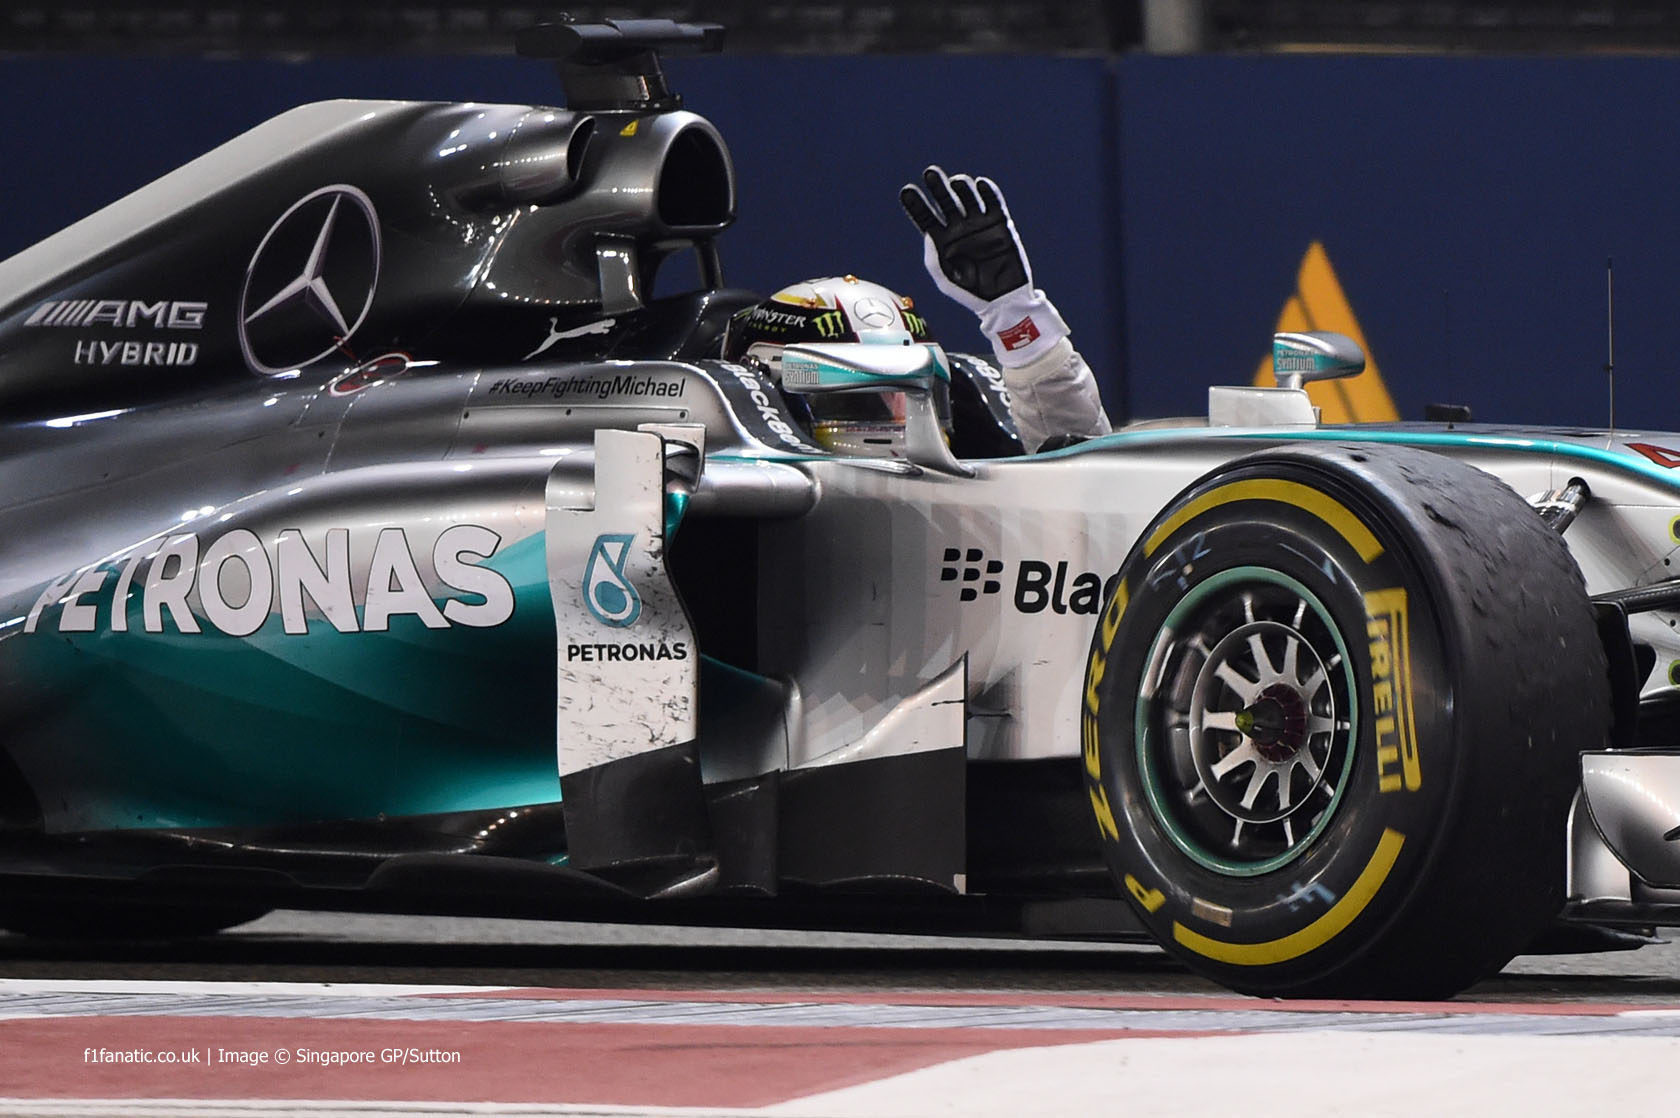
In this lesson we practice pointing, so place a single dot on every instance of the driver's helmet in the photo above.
(837, 309)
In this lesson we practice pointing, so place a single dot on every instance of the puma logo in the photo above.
(554, 335)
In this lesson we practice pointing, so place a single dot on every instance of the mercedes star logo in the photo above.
(873, 313)
(311, 281)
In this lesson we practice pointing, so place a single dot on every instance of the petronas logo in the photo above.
(1319, 303)
(606, 591)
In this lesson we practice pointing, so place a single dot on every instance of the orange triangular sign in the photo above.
(1320, 304)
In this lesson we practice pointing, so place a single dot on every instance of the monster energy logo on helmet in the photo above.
(833, 309)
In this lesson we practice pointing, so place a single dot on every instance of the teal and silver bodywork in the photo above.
(368, 531)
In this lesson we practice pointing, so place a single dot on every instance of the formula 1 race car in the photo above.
(371, 538)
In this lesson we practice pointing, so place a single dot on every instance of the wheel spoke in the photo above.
(1291, 659)
(1242, 755)
(1283, 800)
(1247, 689)
(1256, 781)
(1262, 659)
(1314, 683)
(1220, 720)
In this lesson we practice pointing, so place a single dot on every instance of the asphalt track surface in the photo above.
(312, 948)
(522, 1018)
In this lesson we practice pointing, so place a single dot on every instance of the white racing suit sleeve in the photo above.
(1054, 394)
(974, 255)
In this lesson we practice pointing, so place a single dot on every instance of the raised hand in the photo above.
(971, 248)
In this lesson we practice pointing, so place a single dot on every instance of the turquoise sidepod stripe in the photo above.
(1601, 455)
(1608, 456)
(676, 504)
(205, 729)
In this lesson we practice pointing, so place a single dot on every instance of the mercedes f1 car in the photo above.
(371, 537)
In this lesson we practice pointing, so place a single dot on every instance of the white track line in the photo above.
(1295, 1075)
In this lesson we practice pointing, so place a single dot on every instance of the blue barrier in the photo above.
(1468, 206)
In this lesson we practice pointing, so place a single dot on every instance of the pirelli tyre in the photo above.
(1330, 723)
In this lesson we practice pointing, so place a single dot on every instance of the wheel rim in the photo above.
(1246, 722)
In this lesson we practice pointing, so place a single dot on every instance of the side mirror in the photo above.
(1302, 358)
(818, 367)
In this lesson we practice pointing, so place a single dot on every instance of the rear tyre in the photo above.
(1331, 720)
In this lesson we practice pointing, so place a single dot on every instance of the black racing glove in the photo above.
(974, 254)
(972, 244)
